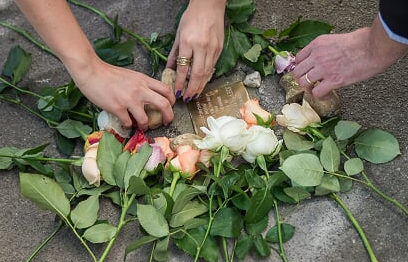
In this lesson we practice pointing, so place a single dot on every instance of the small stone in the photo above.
(329, 107)
(183, 139)
(294, 93)
(253, 80)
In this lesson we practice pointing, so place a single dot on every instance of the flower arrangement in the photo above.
(198, 192)
(221, 187)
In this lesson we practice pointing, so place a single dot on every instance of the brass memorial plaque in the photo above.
(223, 101)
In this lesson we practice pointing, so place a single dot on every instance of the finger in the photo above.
(303, 54)
(302, 67)
(164, 106)
(198, 77)
(171, 59)
(182, 71)
(140, 116)
(162, 89)
(308, 80)
(124, 118)
(322, 89)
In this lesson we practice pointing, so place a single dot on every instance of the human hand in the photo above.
(200, 36)
(122, 92)
(333, 61)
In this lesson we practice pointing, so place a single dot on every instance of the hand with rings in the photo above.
(197, 47)
(336, 60)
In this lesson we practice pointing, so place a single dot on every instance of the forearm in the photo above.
(57, 26)
(385, 50)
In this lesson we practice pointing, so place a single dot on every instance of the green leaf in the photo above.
(345, 184)
(261, 204)
(261, 246)
(119, 168)
(184, 197)
(258, 227)
(73, 129)
(138, 186)
(191, 210)
(17, 64)
(346, 129)
(245, 27)
(65, 145)
(303, 33)
(161, 249)
(137, 162)
(244, 244)
(329, 184)
(45, 192)
(304, 169)
(297, 193)
(227, 223)
(287, 232)
(353, 166)
(85, 213)
(330, 155)
(377, 146)
(253, 53)
(7, 162)
(100, 233)
(235, 45)
(134, 245)
(239, 11)
(296, 142)
(209, 250)
(109, 149)
(152, 221)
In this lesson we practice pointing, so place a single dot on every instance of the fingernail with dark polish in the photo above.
(187, 99)
(195, 96)
(178, 94)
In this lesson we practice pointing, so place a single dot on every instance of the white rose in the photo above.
(262, 141)
(107, 121)
(224, 131)
(297, 116)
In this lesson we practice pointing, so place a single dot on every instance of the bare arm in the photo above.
(117, 90)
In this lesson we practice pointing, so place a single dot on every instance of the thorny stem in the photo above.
(368, 183)
(126, 205)
(28, 36)
(356, 225)
(45, 159)
(282, 253)
(49, 122)
(111, 23)
(176, 177)
(80, 239)
(45, 242)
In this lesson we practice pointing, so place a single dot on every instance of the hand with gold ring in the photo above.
(338, 60)
(197, 47)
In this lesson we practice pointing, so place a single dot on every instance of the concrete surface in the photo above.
(323, 232)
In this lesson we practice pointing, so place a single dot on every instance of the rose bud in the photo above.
(185, 161)
(296, 117)
(252, 107)
(136, 141)
(284, 62)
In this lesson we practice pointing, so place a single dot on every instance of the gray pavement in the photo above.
(323, 232)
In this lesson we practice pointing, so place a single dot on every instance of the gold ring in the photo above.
(308, 80)
(184, 61)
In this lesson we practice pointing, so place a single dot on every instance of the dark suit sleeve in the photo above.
(395, 14)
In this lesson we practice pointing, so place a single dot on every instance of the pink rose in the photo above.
(284, 62)
(185, 161)
(155, 158)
